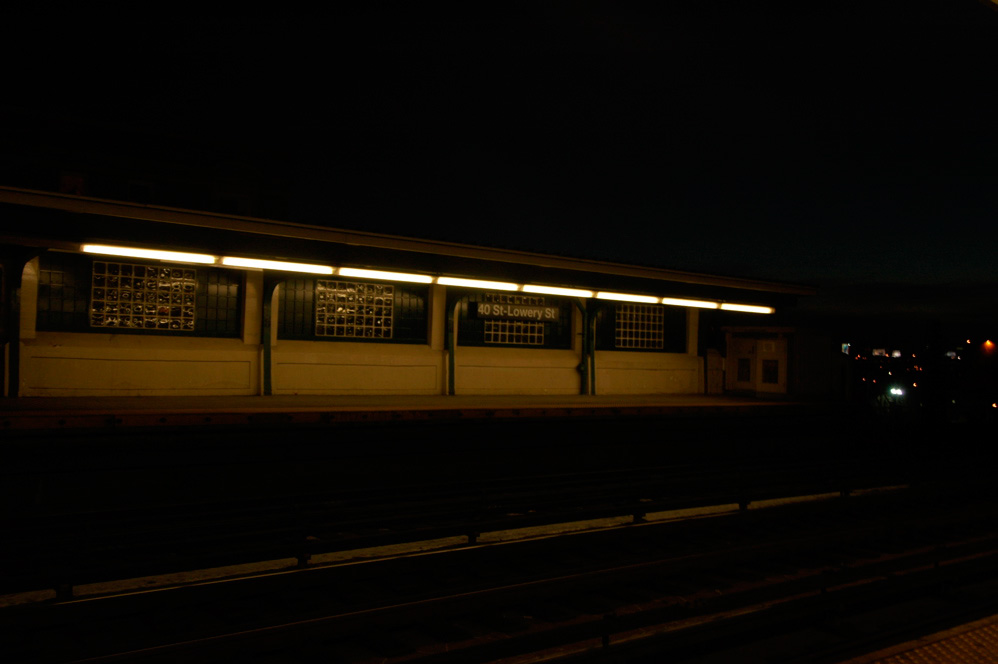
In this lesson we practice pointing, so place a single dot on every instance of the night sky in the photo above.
(850, 146)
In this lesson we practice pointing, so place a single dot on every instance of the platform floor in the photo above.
(973, 643)
(86, 412)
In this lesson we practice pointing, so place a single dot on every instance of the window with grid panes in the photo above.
(331, 310)
(149, 297)
(520, 332)
(64, 284)
(296, 309)
(475, 330)
(219, 311)
(639, 326)
(78, 293)
(350, 309)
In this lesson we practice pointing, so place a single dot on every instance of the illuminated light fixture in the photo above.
(897, 391)
(155, 254)
(748, 308)
(700, 304)
(626, 297)
(259, 264)
(554, 290)
(476, 283)
(386, 276)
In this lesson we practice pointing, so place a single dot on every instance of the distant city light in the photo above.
(897, 391)
(879, 352)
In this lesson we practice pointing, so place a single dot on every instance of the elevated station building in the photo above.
(104, 297)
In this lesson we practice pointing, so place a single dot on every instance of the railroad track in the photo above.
(687, 587)
(65, 550)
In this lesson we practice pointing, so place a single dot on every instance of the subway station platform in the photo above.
(973, 643)
(113, 412)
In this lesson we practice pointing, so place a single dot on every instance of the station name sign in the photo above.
(516, 312)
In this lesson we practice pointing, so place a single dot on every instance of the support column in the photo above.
(593, 319)
(584, 346)
(437, 333)
(13, 260)
(452, 349)
(692, 330)
(270, 285)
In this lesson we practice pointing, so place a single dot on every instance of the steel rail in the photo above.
(303, 527)
(810, 583)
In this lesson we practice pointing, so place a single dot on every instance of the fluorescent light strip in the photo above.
(699, 304)
(626, 297)
(386, 276)
(233, 261)
(749, 308)
(554, 290)
(155, 254)
(475, 283)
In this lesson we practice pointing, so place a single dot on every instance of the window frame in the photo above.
(674, 327)
(58, 312)
(558, 335)
(303, 309)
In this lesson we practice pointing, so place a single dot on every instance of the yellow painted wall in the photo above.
(78, 364)
(343, 367)
(481, 370)
(622, 372)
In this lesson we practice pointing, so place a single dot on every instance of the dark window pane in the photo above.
(771, 371)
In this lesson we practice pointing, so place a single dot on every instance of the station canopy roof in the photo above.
(47, 220)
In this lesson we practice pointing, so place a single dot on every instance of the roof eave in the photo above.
(252, 225)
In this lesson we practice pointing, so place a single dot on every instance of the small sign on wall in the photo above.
(505, 311)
